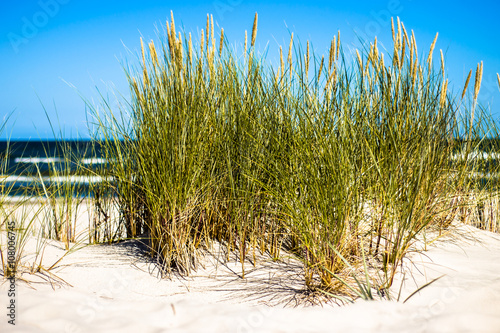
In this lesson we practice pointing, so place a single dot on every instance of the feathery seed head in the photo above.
(254, 30)
(208, 31)
(172, 23)
(212, 31)
(245, 47)
(307, 58)
(403, 51)
(202, 42)
(143, 54)
(169, 38)
(152, 51)
(190, 49)
(321, 67)
(414, 72)
(429, 58)
(282, 63)
(221, 40)
(414, 43)
(477, 83)
(212, 35)
(360, 62)
(405, 35)
(290, 56)
(444, 90)
(411, 58)
(399, 30)
(331, 55)
(442, 61)
(338, 45)
(466, 83)
(393, 32)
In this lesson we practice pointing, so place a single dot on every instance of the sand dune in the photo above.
(113, 288)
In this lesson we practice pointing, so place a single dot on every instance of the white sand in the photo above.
(115, 290)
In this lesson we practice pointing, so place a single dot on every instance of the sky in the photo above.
(58, 55)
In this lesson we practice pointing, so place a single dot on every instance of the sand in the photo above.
(114, 288)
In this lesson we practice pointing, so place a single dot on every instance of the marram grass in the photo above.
(337, 161)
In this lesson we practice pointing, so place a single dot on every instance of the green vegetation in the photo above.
(321, 157)
(342, 161)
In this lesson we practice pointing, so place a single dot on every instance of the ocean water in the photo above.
(36, 167)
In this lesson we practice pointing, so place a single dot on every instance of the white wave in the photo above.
(35, 160)
(14, 179)
(474, 155)
(77, 179)
(56, 179)
(94, 160)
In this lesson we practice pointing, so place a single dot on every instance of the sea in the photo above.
(59, 167)
(50, 167)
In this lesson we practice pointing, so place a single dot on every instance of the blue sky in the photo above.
(47, 46)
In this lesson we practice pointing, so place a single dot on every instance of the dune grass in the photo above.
(330, 158)
(343, 160)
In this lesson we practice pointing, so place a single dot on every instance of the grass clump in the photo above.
(319, 157)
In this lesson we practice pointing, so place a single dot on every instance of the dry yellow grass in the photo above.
(466, 83)
(429, 58)
(254, 30)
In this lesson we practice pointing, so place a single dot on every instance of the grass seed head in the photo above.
(254, 30)
(172, 23)
(331, 57)
(405, 35)
(414, 72)
(466, 83)
(221, 40)
(179, 42)
(403, 51)
(202, 42)
(154, 55)
(290, 47)
(212, 35)
(212, 31)
(360, 62)
(245, 45)
(208, 32)
(444, 90)
(477, 83)
(338, 45)
(307, 58)
(282, 63)
(143, 53)
(321, 67)
(411, 58)
(442, 61)
(393, 32)
(414, 43)
(399, 31)
(169, 38)
(190, 49)
(429, 58)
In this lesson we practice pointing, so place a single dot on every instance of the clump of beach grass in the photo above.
(340, 161)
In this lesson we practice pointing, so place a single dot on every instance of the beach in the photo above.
(335, 192)
(116, 288)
